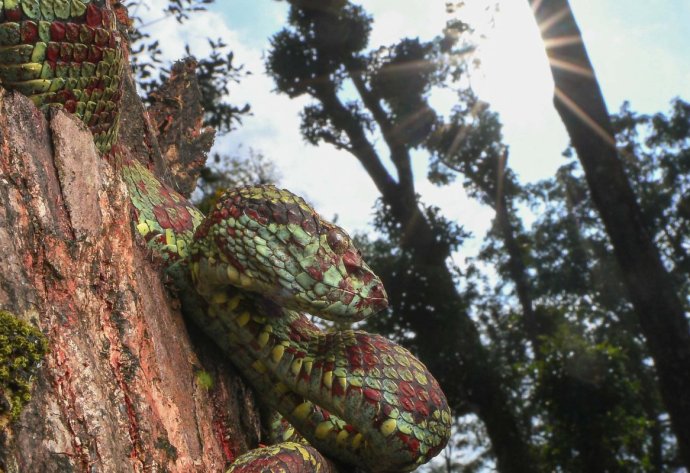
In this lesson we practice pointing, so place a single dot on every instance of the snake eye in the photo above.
(338, 241)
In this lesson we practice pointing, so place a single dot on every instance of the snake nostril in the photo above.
(353, 272)
(353, 264)
(353, 269)
(377, 292)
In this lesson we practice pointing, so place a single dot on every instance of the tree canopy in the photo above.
(549, 354)
(542, 355)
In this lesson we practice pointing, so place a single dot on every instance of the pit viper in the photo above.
(249, 272)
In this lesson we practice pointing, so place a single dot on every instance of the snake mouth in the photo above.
(376, 300)
(378, 304)
(372, 305)
(352, 305)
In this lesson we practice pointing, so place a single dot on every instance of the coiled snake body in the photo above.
(249, 271)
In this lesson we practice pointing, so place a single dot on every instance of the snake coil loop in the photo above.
(248, 271)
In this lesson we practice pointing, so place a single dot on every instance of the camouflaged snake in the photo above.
(249, 271)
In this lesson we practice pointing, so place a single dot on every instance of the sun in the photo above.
(514, 75)
(514, 78)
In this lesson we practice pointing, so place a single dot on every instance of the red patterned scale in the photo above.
(77, 62)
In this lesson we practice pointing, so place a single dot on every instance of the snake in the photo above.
(250, 274)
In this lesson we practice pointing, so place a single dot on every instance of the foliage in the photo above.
(656, 149)
(586, 320)
(321, 41)
(581, 384)
(585, 389)
(215, 73)
(593, 418)
(228, 172)
(316, 56)
(469, 144)
(462, 455)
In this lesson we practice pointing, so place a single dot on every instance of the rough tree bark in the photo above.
(580, 103)
(125, 386)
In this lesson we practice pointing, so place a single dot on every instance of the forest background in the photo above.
(544, 283)
(455, 102)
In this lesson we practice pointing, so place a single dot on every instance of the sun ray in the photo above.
(459, 138)
(413, 66)
(400, 128)
(553, 20)
(586, 119)
(463, 131)
(571, 67)
(562, 41)
(535, 4)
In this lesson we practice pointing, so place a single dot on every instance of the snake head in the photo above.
(270, 241)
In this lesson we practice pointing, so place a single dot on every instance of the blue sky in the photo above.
(638, 47)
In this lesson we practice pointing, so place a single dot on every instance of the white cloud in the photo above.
(515, 79)
(393, 20)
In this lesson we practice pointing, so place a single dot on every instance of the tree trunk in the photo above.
(581, 106)
(441, 341)
(124, 387)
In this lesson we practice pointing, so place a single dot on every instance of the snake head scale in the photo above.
(355, 396)
(268, 240)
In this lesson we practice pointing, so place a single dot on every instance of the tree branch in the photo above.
(362, 149)
(400, 155)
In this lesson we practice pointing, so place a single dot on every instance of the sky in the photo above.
(638, 48)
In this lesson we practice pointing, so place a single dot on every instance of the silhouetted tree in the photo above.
(324, 47)
(651, 288)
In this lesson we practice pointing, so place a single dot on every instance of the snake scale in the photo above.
(249, 272)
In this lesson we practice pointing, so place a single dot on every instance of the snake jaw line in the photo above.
(306, 265)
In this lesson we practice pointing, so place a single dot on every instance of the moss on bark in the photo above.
(22, 348)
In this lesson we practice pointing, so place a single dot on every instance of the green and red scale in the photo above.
(66, 53)
(247, 272)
